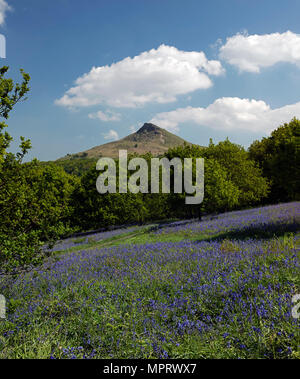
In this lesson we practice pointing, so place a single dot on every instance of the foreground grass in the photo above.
(153, 294)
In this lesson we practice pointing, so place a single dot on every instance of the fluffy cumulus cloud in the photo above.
(156, 76)
(106, 116)
(230, 113)
(4, 8)
(253, 52)
(111, 135)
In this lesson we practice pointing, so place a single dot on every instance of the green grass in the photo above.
(144, 236)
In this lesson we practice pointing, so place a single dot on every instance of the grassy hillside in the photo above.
(149, 138)
(219, 288)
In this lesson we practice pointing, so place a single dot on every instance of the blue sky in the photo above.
(200, 69)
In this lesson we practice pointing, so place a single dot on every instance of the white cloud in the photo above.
(253, 52)
(4, 7)
(106, 116)
(132, 129)
(230, 113)
(157, 76)
(111, 135)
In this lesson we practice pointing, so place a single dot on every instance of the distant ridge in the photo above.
(149, 138)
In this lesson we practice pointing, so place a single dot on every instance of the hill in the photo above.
(149, 138)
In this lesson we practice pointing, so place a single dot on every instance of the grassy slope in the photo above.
(146, 235)
(56, 329)
(156, 141)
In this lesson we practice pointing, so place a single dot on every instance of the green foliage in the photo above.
(232, 180)
(11, 94)
(19, 251)
(34, 207)
(279, 158)
(186, 151)
(92, 210)
(77, 167)
(220, 193)
(242, 171)
(34, 199)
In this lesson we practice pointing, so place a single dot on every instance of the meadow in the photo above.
(219, 288)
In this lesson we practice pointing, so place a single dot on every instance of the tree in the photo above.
(242, 171)
(33, 198)
(10, 95)
(93, 210)
(220, 193)
(279, 158)
(34, 210)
